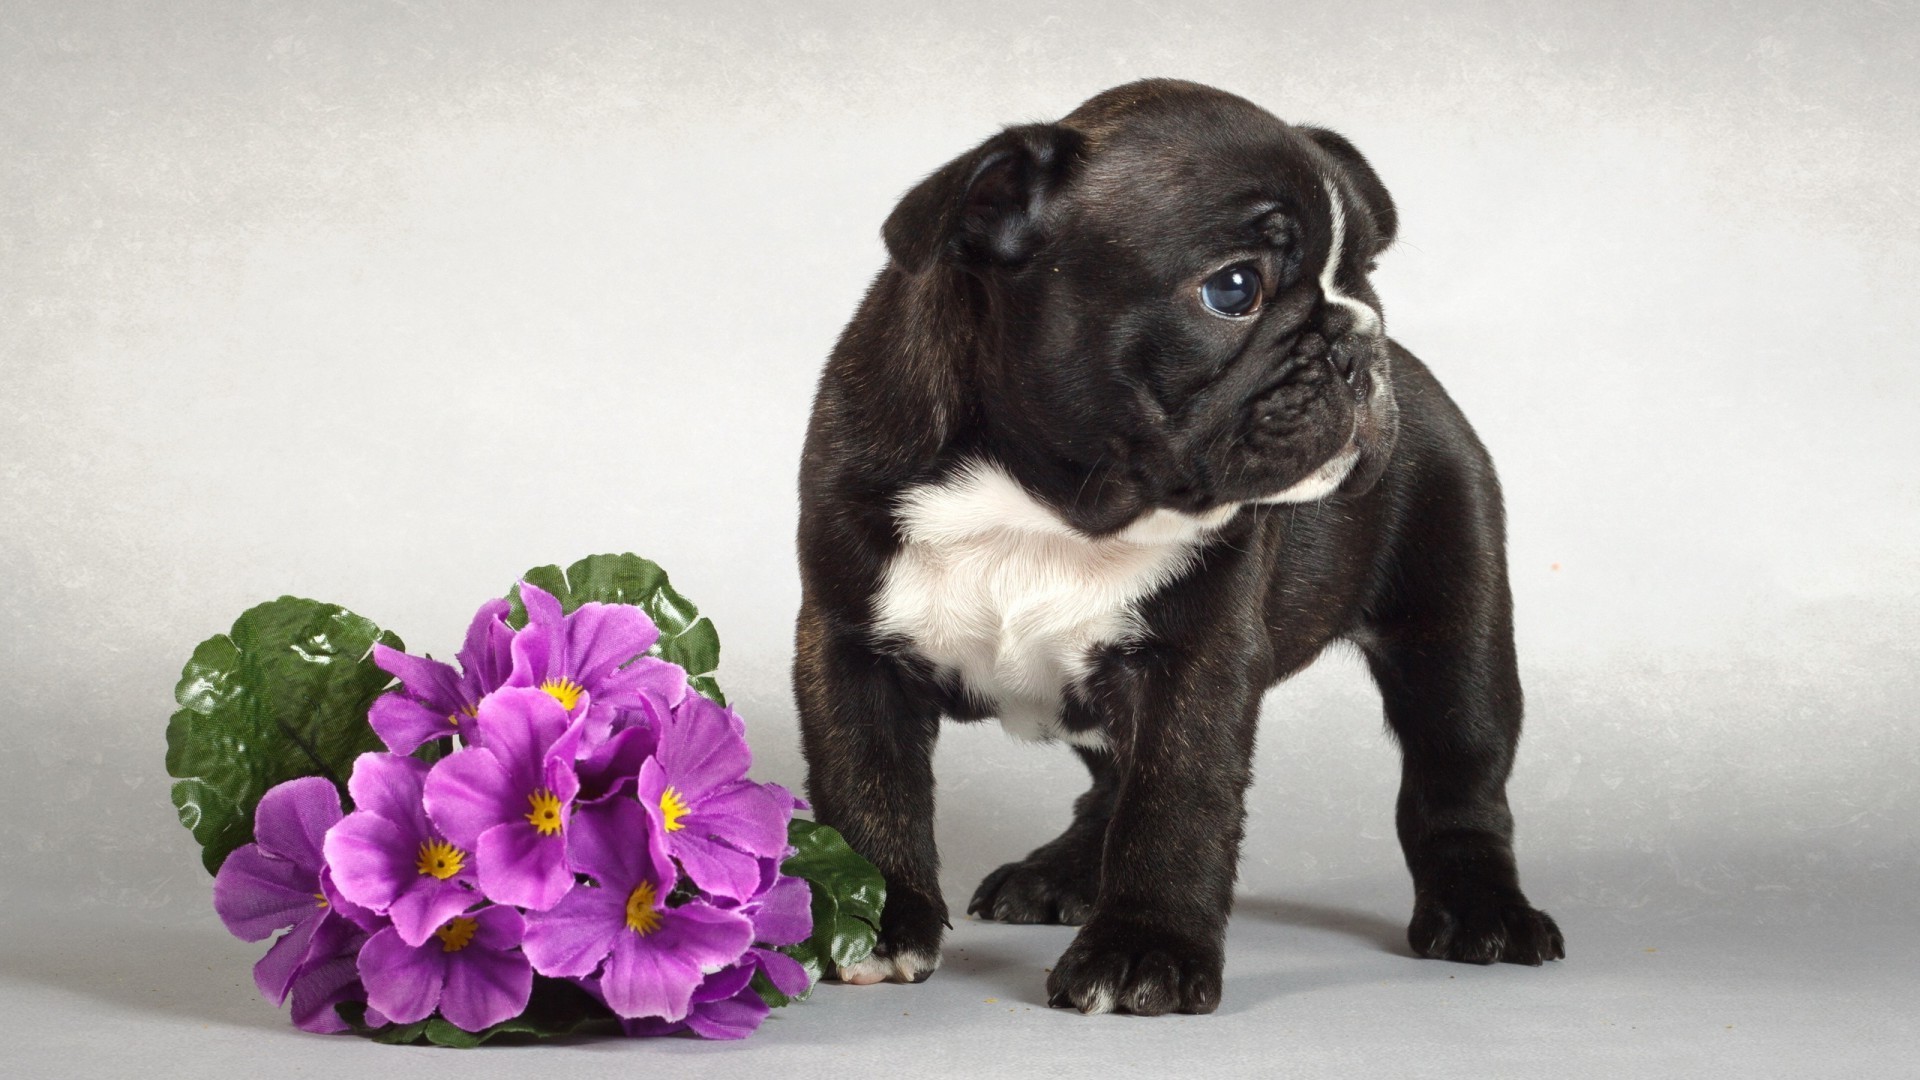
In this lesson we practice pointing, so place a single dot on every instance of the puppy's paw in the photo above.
(1036, 891)
(908, 951)
(1484, 930)
(1118, 965)
(906, 966)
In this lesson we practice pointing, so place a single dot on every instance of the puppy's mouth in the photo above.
(1323, 481)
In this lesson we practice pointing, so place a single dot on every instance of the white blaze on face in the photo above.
(1366, 320)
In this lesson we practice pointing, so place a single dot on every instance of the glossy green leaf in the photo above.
(848, 895)
(686, 638)
(282, 695)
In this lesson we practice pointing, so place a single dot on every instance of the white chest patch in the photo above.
(994, 588)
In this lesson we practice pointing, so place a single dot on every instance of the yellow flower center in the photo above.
(319, 899)
(468, 711)
(441, 859)
(642, 917)
(673, 808)
(457, 934)
(565, 691)
(546, 812)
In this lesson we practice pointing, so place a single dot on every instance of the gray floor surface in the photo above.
(1318, 984)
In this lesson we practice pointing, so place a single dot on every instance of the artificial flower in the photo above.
(471, 969)
(593, 661)
(510, 798)
(648, 957)
(275, 883)
(388, 857)
(701, 806)
(435, 698)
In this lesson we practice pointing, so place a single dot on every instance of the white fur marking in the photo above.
(1366, 320)
(993, 587)
(1320, 483)
(903, 968)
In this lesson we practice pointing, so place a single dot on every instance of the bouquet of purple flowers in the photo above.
(557, 835)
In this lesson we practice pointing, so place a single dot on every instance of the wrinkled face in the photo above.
(1198, 331)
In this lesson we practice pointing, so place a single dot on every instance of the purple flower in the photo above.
(328, 978)
(723, 1006)
(387, 857)
(596, 654)
(471, 969)
(275, 883)
(510, 798)
(781, 909)
(434, 698)
(703, 808)
(650, 957)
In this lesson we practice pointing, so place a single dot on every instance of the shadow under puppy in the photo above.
(1055, 475)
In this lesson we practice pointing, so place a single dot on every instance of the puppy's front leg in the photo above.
(1182, 728)
(868, 739)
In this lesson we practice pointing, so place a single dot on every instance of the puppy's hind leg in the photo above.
(1058, 881)
(868, 739)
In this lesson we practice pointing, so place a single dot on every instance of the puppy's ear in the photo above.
(984, 207)
(1363, 182)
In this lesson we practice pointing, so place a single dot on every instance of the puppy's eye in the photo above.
(1234, 291)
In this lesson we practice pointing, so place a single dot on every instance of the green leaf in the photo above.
(686, 638)
(848, 896)
(556, 1009)
(282, 695)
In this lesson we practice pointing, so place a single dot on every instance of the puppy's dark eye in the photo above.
(1233, 291)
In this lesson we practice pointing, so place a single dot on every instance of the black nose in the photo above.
(1345, 359)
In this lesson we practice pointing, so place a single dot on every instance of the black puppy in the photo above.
(1054, 475)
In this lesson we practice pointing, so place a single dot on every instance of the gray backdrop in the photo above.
(382, 303)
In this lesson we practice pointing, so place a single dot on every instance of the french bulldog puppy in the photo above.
(1115, 441)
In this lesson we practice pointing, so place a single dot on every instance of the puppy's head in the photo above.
(1170, 300)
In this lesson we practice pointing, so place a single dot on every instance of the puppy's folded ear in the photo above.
(984, 207)
(1362, 182)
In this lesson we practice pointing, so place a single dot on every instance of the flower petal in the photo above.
(404, 724)
(431, 682)
(615, 766)
(519, 866)
(292, 819)
(748, 815)
(371, 859)
(388, 786)
(426, 903)
(724, 983)
(403, 981)
(703, 934)
(470, 791)
(273, 974)
(701, 750)
(486, 660)
(783, 915)
(789, 976)
(256, 893)
(714, 866)
(485, 986)
(519, 724)
(603, 638)
(570, 939)
(328, 978)
(734, 1017)
(648, 678)
(645, 979)
(608, 843)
